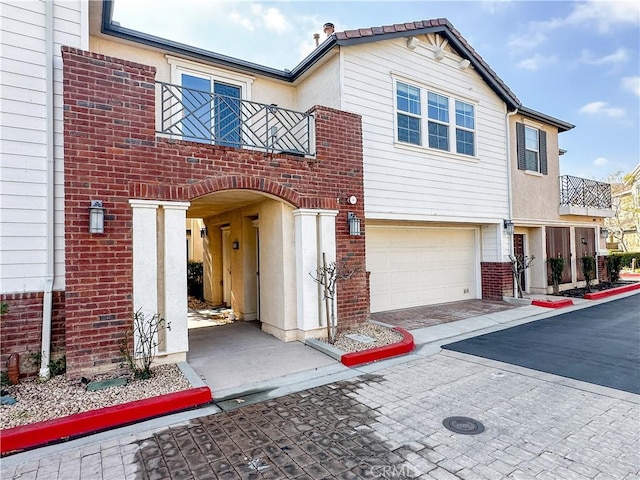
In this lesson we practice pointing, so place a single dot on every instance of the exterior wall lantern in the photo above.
(508, 226)
(96, 217)
(354, 224)
(203, 232)
(235, 245)
(604, 232)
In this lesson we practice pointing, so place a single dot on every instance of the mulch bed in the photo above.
(580, 292)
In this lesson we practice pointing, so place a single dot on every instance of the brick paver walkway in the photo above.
(386, 425)
(430, 315)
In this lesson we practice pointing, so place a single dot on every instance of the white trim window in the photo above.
(532, 149)
(457, 136)
(211, 102)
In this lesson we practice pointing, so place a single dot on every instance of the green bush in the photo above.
(613, 267)
(194, 279)
(588, 264)
(625, 259)
(557, 266)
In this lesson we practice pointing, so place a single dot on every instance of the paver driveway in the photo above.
(386, 425)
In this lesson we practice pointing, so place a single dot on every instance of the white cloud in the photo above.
(603, 15)
(536, 62)
(632, 84)
(525, 42)
(271, 18)
(602, 108)
(619, 56)
(600, 162)
(236, 18)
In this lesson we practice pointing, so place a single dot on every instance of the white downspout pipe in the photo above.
(47, 304)
(510, 188)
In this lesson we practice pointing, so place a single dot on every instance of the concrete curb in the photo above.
(405, 345)
(86, 423)
(552, 303)
(611, 292)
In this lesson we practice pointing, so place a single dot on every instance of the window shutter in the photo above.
(542, 138)
(522, 163)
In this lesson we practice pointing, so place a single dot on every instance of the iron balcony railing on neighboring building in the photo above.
(208, 117)
(582, 192)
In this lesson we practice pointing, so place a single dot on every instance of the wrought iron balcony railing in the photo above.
(582, 192)
(208, 117)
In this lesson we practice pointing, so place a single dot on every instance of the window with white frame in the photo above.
(211, 102)
(532, 148)
(444, 131)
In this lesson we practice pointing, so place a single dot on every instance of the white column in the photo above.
(306, 252)
(175, 277)
(145, 257)
(326, 244)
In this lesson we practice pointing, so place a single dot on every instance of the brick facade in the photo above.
(112, 154)
(497, 280)
(22, 329)
(603, 273)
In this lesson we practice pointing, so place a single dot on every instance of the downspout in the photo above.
(510, 188)
(47, 303)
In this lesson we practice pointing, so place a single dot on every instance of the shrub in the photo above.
(144, 336)
(557, 266)
(614, 263)
(626, 258)
(588, 264)
(194, 279)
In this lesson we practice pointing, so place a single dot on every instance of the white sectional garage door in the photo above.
(414, 266)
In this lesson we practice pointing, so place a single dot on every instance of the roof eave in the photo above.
(560, 124)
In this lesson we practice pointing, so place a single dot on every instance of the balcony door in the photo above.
(212, 111)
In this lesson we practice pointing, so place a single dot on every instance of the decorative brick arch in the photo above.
(244, 182)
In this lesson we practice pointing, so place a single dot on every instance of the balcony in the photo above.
(581, 196)
(207, 117)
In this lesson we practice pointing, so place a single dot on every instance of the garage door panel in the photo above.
(420, 266)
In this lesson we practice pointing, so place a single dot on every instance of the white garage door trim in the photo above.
(413, 266)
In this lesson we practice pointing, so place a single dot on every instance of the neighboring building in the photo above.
(624, 226)
(553, 215)
(32, 265)
(403, 129)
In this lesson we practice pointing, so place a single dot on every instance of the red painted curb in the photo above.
(37, 434)
(405, 345)
(611, 291)
(630, 276)
(553, 303)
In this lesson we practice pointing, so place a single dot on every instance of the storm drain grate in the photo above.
(463, 425)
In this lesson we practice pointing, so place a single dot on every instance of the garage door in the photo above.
(414, 266)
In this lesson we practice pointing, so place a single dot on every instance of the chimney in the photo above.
(316, 37)
(328, 29)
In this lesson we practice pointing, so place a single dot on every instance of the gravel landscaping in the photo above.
(381, 336)
(38, 401)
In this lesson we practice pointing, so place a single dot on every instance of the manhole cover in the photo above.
(463, 425)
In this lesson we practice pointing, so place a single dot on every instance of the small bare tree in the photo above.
(144, 336)
(328, 275)
(519, 263)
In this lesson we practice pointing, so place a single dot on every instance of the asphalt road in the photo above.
(599, 345)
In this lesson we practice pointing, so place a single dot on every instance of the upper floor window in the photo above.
(210, 102)
(442, 133)
(532, 148)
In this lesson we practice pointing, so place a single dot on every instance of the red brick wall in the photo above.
(112, 154)
(497, 280)
(22, 329)
(603, 274)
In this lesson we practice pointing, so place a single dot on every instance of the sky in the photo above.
(576, 61)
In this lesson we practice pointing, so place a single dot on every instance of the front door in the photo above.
(559, 245)
(585, 246)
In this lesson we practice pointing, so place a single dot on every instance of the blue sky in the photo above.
(577, 61)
